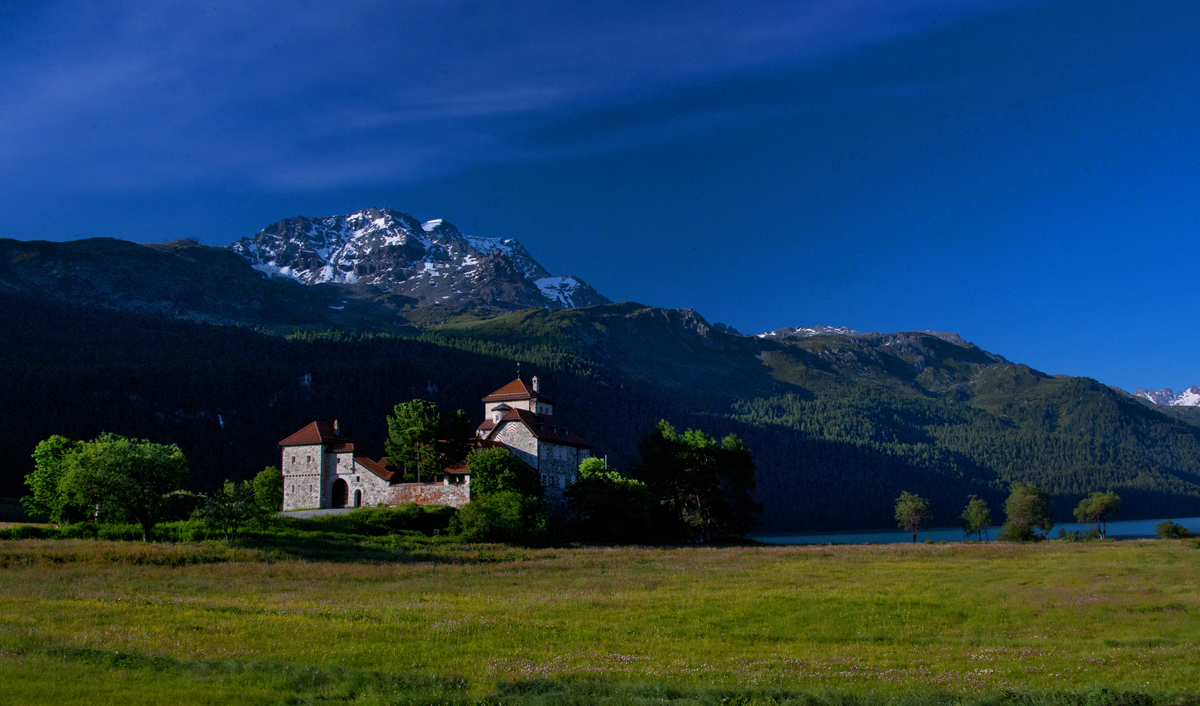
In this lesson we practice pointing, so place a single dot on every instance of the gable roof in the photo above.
(543, 426)
(316, 433)
(379, 469)
(516, 390)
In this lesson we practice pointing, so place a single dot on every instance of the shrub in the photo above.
(495, 470)
(610, 508)
(502, 517)
(1077, 536)
(1171, 530)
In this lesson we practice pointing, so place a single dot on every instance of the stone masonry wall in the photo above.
(374, 489)
(455, 495)
(520, 441)
(302, 477)
(559, 466)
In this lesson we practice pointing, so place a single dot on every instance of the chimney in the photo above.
(535, 384)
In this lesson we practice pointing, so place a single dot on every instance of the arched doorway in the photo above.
(340, 491)
(358, 498)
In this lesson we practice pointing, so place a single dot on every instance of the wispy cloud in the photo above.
(309, 95)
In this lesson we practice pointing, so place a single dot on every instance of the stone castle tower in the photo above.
(519, 416)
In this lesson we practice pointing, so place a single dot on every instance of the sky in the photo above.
(1025, 173)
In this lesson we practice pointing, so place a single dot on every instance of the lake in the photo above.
(1124, 529)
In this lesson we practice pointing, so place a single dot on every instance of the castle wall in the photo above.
(517, 437)
(373, 489)
(302, 477)
(454, 495)
(559, 465)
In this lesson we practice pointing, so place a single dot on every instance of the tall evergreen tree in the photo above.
(414, 429)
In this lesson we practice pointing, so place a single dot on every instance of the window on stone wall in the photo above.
(293, 459)
(308, 460)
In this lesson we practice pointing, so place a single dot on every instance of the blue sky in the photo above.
(1024, 173)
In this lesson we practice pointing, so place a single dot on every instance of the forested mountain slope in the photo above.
(838, 425)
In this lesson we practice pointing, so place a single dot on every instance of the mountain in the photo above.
(103, 335)
(183, 280)
(810, 331)
(422, 263)
(1188, 398)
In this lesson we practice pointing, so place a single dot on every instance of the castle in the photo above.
(321, 469)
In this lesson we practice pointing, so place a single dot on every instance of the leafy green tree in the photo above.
(268, 489)
(610, 507)
(1168, 529)
(136, 477)
(233, 505)
(703, 487)
(976, 517)
(503, 516)
(912, 513)
(1028, 509)
(1097, 509)
(496, 470)
(45, 481)
(414, 429)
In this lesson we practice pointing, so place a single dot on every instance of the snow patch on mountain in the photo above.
(397, 253)
(560, 289)
(807, 331)
(1168, 397)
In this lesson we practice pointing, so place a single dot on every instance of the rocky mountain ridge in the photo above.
(426, 263)
(1169, 398)
(811, 331)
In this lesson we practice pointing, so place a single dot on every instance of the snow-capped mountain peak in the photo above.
(807, 331)
(1168, 397)
(430, 262)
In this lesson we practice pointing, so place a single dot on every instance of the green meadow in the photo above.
(89, 621)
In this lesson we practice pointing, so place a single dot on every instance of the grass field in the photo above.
(121, 622)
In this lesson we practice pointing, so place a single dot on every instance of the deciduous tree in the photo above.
(137, 477)
(703, 486)
(1028, 509)
(230, 507)
(1097, 509)
(912, 512)
(268, 489)
(976, 517)
(45, 482)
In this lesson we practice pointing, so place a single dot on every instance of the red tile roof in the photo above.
(379, 469)
(545, 428)
(516, 390)
(315, 433)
